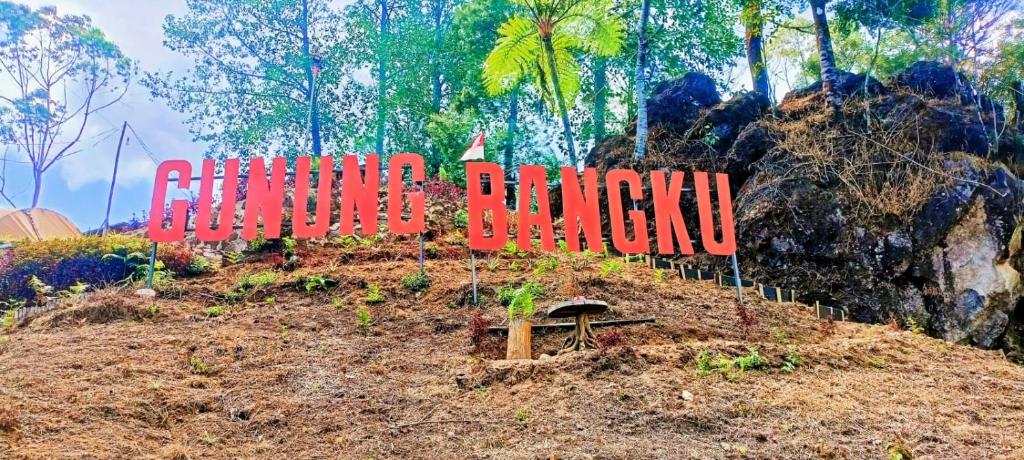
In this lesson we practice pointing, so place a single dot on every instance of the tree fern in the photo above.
(558, 27)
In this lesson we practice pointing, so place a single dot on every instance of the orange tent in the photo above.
(35, 224)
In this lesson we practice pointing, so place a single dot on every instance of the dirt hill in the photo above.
(279, 372)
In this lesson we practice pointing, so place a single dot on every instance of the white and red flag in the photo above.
(475, 150)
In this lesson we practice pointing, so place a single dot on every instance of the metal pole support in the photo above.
(420, 186)
(736, 278)
(152, 267)
(472, 261)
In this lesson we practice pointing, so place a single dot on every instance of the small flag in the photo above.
(475, 150)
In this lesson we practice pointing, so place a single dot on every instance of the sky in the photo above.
(78, 186)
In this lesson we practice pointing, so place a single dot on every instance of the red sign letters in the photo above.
(359, 196)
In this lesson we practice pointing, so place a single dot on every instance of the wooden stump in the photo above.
(582, 337)
(519, 347)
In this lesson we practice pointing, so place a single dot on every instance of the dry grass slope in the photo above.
(284, 373)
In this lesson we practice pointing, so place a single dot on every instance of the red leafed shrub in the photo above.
(479, 334)
(747, 319)
(609, 339)
(440, 189)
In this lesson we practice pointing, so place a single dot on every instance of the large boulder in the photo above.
(675, 104)
(933, 80)
(953, 268)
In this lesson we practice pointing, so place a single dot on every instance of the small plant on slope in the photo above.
(374, 295)
(416, 282)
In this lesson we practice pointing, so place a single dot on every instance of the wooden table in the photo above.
(583, 336)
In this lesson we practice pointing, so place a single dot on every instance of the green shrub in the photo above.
(507, 293)
(461, 219)
(416, 282)
(318, 283)
(521, 306)
(730, 369)
(791, 361)
(214, 311)
(198, 266)
(63, 262)
(511, 250)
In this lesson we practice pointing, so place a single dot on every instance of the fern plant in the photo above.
(521, 306)
(540, 44)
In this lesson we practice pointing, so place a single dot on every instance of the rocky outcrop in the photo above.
(902, 206)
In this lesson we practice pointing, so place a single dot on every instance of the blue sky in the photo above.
(78, 186)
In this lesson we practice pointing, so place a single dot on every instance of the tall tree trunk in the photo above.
(828, 60)
(1018, 104)
(435, 64)
(754, 41)
(600, 97)
(37, 183)
(510, 143)
(311, 93)
(641, 82)
(560, 99)
(435, 73)
(382, 74)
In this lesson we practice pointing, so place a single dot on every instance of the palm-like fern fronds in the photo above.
(514, 55)
(539, 44)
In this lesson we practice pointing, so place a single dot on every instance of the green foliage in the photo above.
(461, 219)
(374, 294)
(507, 293)
(363, 315)
(198, 366)
(914, 326)
(416, 282)
(730, 369)
(511, 250)
(521, 305)
(288, 244)
(252, 89)
(554, 29)
(610, 267)
(659, 276)
(791, 360)
(7, 320)
(522, 416)
(214, 311)
(153, 310)
(231, 257)
(64, 262)
(317, 283)
(256, 280)
(545, 264)
(258, 244)
(42, 290)
(198, 266)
